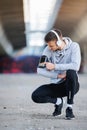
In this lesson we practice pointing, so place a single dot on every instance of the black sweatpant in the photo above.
(49, 93)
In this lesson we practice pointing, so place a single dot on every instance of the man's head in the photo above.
(54, 39)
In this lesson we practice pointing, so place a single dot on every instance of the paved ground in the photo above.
(19, 112)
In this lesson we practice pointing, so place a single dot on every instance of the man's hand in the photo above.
(62, 76)
(50, 66)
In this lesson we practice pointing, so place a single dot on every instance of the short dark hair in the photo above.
(51, 36)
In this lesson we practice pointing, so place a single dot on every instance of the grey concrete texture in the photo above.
(19, 112)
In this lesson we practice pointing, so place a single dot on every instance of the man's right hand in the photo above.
(62, 76)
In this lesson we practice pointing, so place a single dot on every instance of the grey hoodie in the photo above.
(68, 58)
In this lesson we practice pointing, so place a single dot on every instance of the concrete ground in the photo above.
(19, 112)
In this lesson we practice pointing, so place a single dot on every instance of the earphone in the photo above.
(59, 42)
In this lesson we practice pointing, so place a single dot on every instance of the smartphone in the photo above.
(42, 60)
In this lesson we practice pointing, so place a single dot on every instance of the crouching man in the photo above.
(60, 61)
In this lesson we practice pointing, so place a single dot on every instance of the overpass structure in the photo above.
(17, 27)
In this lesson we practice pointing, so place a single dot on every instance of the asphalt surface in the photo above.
(19, 112)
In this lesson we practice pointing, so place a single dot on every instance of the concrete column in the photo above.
(85, 58)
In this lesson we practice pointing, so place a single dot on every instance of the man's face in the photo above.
(53, 45)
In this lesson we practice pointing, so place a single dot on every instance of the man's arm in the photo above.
(47, 73)
(42, 70)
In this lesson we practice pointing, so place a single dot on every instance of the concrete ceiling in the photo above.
(72, 17)
(12, 22)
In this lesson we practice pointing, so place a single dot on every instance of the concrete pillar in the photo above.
(85, 58)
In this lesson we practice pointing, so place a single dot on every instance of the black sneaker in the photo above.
(69, 113)
(58, 109)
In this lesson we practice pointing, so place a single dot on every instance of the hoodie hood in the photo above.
(68, 42)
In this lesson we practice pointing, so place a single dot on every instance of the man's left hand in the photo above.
(50, 66)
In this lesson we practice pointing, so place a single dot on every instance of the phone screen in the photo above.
(42, 59)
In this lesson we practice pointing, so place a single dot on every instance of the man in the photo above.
(60, 61)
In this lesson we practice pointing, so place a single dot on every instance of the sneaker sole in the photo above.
(68, 118)
(57, 115)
